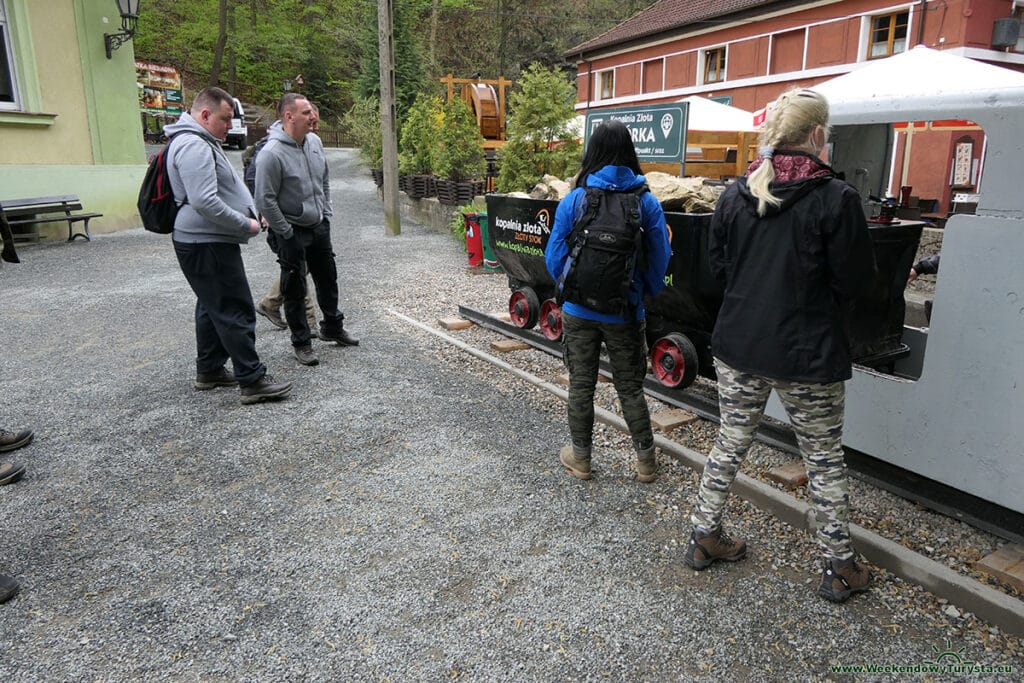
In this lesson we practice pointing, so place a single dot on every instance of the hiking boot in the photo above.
(305, 355)
(271, 314)
(314, 330)
(646, 465)
(10, 472)
(842, 578)
(10, 441)
(8, 588)
(264, 389)
(211, 380)
(340, 336)
(705, 548)
(577, 460)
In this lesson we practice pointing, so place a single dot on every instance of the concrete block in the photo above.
(563, 379)
(667, 420)
(1005, 564)
(502, 315)
(506, 345)
(455, 323)
(792, 475)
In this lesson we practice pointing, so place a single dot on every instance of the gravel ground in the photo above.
(400, 517)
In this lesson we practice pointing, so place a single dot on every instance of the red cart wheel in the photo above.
(524, 307)
(674, 360)
(551, 320)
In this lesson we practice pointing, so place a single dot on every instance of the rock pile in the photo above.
(689, 195)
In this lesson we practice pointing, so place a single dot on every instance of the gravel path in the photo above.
(400, 517)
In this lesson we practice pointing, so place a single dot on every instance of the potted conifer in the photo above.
(460, 163)
(418, 146)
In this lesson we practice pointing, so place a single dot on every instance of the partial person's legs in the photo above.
(324, 269)
(627, 353)
(270, 305)
(816, 412)
(225, 316)
(581, 347)
(741, 400)
(293, 287)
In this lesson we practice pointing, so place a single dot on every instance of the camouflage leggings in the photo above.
(627, 352)
(816, 412)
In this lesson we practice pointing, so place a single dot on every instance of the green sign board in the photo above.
(658, 130)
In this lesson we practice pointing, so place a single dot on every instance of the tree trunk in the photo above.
(232, 72)
(434, 11)
(222, 40)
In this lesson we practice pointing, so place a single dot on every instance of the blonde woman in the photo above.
(790, 242)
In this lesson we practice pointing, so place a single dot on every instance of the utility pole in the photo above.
(392, 216)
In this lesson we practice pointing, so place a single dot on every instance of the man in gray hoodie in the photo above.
(215, 216)
(293, 193)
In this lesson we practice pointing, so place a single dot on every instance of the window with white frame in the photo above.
(606, 81)
(714, 64)
(888, 34)
(8, 96)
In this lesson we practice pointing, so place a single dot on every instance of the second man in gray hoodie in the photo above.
(294, 195)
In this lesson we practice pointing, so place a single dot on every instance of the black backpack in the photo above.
(156, 198)
(605, 248)
(249, 170)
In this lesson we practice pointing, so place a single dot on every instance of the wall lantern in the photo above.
(129, 10)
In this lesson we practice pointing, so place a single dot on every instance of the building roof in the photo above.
(664, 16)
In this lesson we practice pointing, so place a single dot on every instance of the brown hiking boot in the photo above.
(704, 549)
(842, 578)
(264, 389)
(646, 465)
(579, 467)
(10, 441)
(271, 314)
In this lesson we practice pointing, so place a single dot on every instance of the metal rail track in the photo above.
(977, 512)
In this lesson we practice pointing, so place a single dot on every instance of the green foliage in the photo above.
(458, 223)
(419, 140)
(363, 122)
(410, 69)
(540, 140)
(460, 154)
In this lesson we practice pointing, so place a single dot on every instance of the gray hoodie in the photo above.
(292, 184)
(217, 204)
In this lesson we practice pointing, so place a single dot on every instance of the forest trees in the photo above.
(329, 42)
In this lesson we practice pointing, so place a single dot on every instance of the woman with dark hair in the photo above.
(611, 178)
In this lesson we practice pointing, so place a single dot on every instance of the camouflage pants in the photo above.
(627, 352)
(816, 412)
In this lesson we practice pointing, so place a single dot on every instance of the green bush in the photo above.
(363, 120)
(540, 139)
(458, 223)
(460, 154)
(419, 139)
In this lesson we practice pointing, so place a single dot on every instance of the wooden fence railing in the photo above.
(331, 137)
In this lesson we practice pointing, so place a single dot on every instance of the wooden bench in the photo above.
(41, 210)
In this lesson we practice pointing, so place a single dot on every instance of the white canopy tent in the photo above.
(920, 84)
(705, 114)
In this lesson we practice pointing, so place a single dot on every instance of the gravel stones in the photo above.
(400, 516)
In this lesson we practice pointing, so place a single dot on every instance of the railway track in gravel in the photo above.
(970, 509)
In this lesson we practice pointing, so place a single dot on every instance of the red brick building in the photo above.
(746, 52)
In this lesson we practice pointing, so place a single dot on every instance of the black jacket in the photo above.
(789, 278)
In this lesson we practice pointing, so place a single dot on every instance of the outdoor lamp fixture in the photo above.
(129, 10)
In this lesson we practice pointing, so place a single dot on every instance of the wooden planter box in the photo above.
(454, 193)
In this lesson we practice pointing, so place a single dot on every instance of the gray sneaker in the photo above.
(305, 355)
(264, 389)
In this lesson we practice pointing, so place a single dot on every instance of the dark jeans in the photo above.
(627, 352)
(225, 317)
(311, 249)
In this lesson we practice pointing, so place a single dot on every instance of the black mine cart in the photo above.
(681, 318)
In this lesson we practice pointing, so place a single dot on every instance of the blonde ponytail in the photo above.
(789, 124)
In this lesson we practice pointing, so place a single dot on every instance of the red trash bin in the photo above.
(474, 239)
